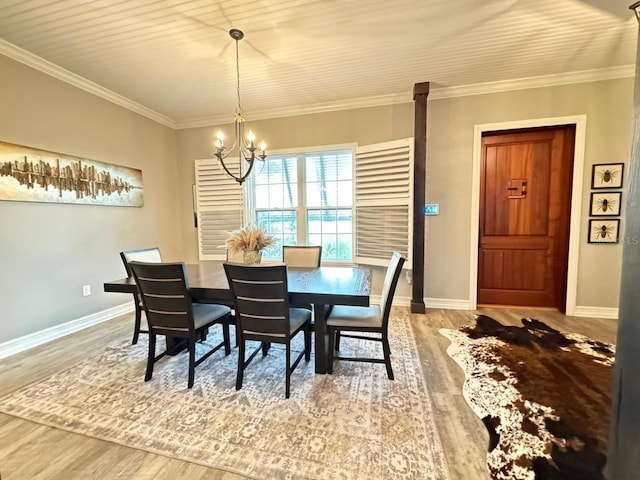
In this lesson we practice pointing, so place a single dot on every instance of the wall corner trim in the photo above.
(32, 340)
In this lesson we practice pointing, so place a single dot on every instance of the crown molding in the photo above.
(27, 58)
(38, 63)
(569, 78)
(436, 93)
(292, 111)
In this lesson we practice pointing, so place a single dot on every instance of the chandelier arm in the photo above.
(224, 167)
(248, 172)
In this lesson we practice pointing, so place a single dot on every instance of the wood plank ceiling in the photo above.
(175, 57)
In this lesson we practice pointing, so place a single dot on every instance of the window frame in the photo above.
(301, 209)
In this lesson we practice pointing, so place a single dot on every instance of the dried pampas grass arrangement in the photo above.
(248, 238)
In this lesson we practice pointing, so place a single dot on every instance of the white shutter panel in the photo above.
(383, 202)
(220, 205)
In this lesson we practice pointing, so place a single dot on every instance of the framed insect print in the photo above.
(607, 175)
(605, 204)
(604, 231)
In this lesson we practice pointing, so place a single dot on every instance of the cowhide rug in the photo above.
(543, 395)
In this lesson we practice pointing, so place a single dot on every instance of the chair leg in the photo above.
(386, 350)
(151, 356)
(307, 343)
(265, 348)
(192, 361)
(240, 364)
(136, 327)
(234, 321)
(288, 372)
(337, 340)
(332, 336)
(227, 337)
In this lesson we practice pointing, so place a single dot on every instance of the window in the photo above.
(359, 208)
(306, 199)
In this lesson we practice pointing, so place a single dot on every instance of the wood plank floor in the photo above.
(32, 451)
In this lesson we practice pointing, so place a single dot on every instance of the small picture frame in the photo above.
(607, 175)
(604, 231)
(605, 204)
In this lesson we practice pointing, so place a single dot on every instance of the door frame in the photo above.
(580, 122)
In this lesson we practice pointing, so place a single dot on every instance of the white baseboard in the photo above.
(397, 301)
(26, 342)
(465, 304)
(596, 312)
(448, 303)
(445, 303)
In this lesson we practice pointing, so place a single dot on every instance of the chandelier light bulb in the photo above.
(219, 143)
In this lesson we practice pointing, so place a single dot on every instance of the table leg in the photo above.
(175, 344)
(321, 337)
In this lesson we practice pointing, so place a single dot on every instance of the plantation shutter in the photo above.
(383, 202)
(220, 208)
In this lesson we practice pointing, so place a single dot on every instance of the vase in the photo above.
(252, 257)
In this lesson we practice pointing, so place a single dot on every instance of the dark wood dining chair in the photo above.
(372, 319)
(164, 290)
(263, 314)
(151, 255)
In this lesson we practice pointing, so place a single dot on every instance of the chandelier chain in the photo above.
(239, 107)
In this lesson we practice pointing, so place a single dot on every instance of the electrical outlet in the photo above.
(86, 290)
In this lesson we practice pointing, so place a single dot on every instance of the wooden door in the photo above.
(524, 216)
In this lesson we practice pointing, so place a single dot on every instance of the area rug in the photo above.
(354, 424)
(543, 395)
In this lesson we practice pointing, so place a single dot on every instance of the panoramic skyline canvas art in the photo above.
(32, 175)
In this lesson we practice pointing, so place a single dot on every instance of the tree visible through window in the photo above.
(307, 199)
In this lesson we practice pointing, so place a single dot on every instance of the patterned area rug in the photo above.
(543, 395)
(354, 424)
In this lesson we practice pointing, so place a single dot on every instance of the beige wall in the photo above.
(48, 251)
(450, 126)
(608, 107)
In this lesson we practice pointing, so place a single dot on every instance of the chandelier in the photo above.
(246, 146)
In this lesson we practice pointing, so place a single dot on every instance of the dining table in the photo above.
(321, 286)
